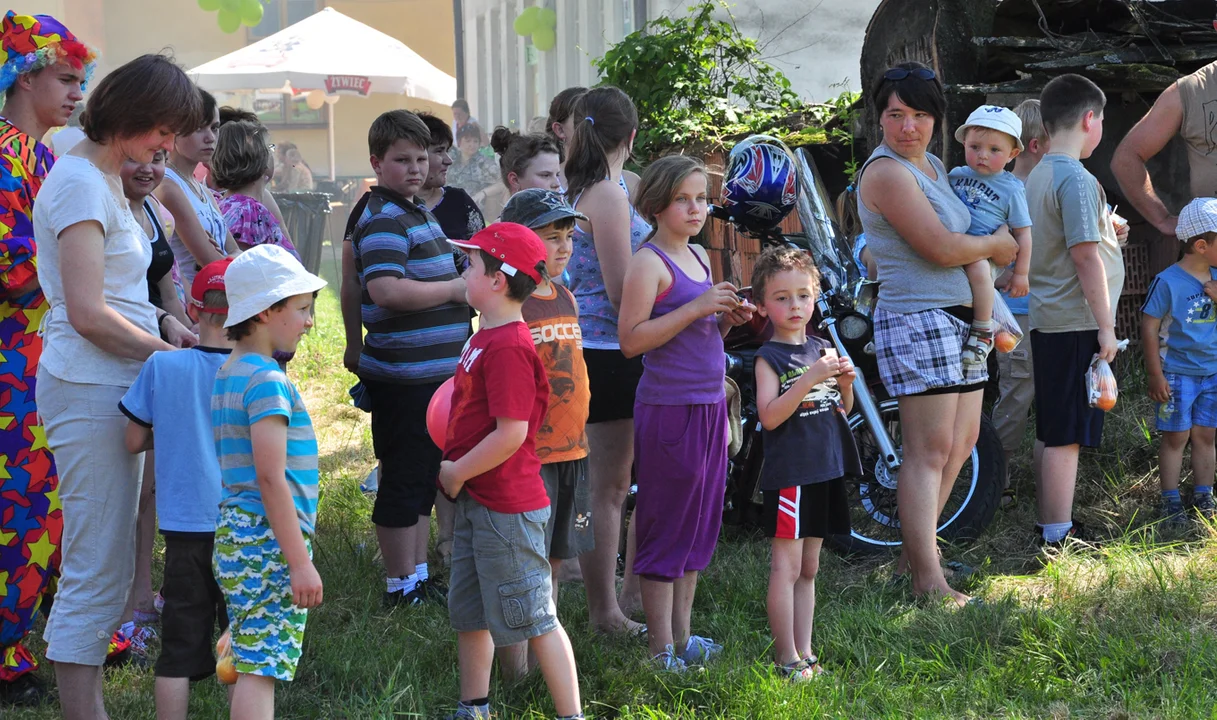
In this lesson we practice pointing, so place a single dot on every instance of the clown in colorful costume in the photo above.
(31, 521)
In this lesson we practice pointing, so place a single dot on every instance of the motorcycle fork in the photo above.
(864, 402)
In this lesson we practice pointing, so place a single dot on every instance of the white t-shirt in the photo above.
(76, 191)
(65, 139)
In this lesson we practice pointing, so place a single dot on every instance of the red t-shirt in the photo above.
(500, 376)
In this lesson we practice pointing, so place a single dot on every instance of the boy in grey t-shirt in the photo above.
(991, 138)
(1077, 273)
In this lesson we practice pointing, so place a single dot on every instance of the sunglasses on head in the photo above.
(902, 73)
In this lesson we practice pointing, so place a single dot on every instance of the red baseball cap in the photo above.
(211, 277)
(517, 247)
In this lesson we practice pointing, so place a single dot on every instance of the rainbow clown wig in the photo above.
(33, 42)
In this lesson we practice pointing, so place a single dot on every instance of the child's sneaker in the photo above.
(1077, 532)
(1205, 505)
(977, 348)
(700, 650)
(399, 598)
(669, 661)
(471, 712)
(1172, 513)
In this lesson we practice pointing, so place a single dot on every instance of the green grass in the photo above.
(1124, 632)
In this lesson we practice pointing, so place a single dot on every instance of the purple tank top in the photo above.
(689, 368)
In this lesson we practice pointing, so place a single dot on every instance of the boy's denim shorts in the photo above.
(1193, 403)
(500, 574)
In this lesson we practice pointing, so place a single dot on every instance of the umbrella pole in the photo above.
(329, 113)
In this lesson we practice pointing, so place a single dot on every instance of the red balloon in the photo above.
(438, 411)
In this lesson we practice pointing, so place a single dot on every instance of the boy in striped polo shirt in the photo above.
(268, 464)
(414, 310)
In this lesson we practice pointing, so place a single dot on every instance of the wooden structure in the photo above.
(1005, 51)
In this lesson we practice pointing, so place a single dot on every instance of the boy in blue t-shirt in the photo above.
(268, 460)
(1179, 330)
(172, 396)
(991, 139)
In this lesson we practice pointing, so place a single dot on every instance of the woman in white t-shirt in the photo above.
(97, 332)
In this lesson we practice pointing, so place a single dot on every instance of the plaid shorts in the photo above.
(920, 353)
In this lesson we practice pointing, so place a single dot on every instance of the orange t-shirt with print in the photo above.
(554, 324)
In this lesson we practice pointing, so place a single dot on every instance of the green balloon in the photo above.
(523, 24)
(251, 12)
(547, 18)
(228, 20)
(209, 5)
(544, 38)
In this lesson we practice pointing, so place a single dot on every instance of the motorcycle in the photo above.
(844, 311)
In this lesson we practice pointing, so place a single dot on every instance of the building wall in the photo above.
(124, 29)
(816, 44)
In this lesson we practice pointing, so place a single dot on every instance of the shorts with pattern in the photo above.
(1193, 403)
(267, 628)
(921, 353)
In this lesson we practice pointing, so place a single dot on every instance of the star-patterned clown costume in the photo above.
(31, 519)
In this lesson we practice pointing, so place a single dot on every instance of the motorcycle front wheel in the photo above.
(872, 498)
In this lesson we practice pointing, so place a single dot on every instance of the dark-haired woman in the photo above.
(97, 333)
(600, 143)
(457, 213)
(916, 232)
(200, 235)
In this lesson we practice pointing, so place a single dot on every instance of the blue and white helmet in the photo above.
(761, 186)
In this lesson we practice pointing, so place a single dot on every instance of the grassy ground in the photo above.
(1127, 631)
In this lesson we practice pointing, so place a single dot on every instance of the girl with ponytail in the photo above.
(601, 140)
(525, 161)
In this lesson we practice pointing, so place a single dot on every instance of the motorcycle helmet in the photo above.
(760, 187)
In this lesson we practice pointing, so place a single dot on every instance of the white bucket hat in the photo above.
(261, 277)
(994, 117)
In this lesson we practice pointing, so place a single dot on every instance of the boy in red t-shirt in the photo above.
(500, 591)
(553, 319)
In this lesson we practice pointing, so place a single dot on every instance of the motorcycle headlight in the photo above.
(854, 327)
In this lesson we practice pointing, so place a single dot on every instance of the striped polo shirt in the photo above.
(398, 238)
(248, 389)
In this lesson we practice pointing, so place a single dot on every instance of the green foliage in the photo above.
(696, 79)
(839, 115)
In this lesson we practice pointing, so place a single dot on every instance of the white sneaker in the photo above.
(700, 650)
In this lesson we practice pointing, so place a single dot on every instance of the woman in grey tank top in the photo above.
(915, 228)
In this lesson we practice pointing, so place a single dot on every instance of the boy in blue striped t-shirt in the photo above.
(268, 463)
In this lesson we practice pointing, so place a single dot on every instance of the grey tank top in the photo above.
(908, 282)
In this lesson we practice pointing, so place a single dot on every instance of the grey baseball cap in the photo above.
(535, 208)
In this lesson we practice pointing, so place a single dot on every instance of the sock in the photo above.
(128, 629)
(401, 584)
(1202, 490)
(985, 326)
(1171, 497)
(571, 717)
(421, 571)
(1056, 532)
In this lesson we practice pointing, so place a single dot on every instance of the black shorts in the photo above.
(1063, 415)
(409, 460)
(817, 511)
(194, 608)
(613, 379)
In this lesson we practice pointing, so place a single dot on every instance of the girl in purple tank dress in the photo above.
(673, 312)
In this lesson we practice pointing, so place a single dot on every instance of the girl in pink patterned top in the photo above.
(242, 165)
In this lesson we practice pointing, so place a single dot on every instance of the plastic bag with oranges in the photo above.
(1009, 334)
(1101, 382)
(226, 671)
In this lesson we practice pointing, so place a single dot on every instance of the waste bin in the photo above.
(305, 215)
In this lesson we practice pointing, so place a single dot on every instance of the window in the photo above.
(278, 14)
(276, 110)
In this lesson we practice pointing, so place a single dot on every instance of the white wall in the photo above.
(816, 43)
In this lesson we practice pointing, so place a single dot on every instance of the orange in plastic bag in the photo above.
(1101, 385)
(1009, 334)
(226, 671)
(1005, 341)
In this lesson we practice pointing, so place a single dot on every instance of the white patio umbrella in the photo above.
(335, 54)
